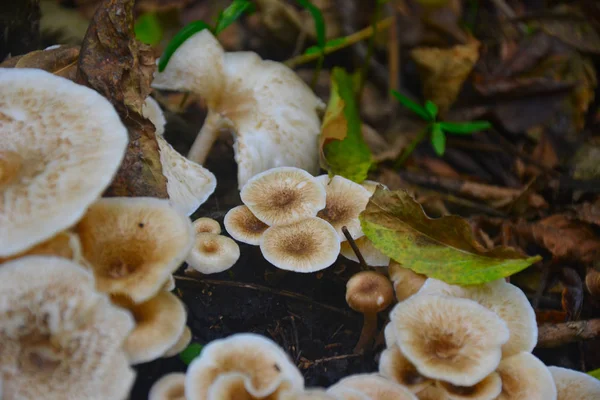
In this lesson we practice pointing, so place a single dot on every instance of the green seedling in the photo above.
(322, 43)
(437, 130)
(190, 353)
(226, 18)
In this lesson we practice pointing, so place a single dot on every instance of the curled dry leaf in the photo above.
(61, 61)
(442, 248)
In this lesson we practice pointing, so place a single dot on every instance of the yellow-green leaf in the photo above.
(442, 248)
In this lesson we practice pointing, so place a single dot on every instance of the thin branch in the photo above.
(355, 248)
(555, 335)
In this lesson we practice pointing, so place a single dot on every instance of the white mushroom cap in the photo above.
(283, 195)
(488, 389)
(574, 385)
(524, 376)
(133, 244)
(310, 394)
(169, 387)
(189, 184)
(264, 365)
(374, 386)
(213, 253)
(64, 244)
(345, 201)
(433, 392)
(306, 246)
(243, 226)
(61, 144)
(231, 386)
(344, 393)
(60, 339)
(169, 284)
(371, 186)
(372, 256)
(503, 298)
(395, 366)
(183, 342)
(406, 281)
(447, 338)
(389, 335)
(206, 225)
(151, 110)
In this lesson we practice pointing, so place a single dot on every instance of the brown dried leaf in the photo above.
(120, 68)
(589, 212)
(61, 61)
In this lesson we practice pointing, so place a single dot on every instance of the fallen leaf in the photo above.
(120, 68)
(572, 294)
(589, 212)
(442, 248)
(61, 61)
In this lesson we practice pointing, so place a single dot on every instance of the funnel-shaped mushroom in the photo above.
(574, 385)
(487, 389)
(243, 226)
(206, 225)
(212, 253)
(525, 377)
(184, 340)
(374, 386)
(263, 364)
(64, 244)
(270, 110)
(395, 366)
(169, 387)
(60, 146)
(406, 281)
(231, 386)
(133, 244)
(59, 338)
(447, 338)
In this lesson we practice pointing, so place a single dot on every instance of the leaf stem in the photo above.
(411, 147)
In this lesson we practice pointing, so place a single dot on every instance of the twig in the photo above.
(555, 335)
(308, 363)
(355, 248)
(510, 14)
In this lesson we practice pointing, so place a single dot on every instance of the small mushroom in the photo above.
(151, 110)
(306, 246)
(374, 386)
(231, 386)
(183, 342)
(395, 366)
(133, 244)
(433, 392)
(262, 363)
(59, 338)
(372, 186)
(206, 225)
(574, 385)
(213, 253)
(526, 377)
(372, 256)
(389, 335)
(345, 200)
(368, 293)
(406, 281)
(64, 244)
(168, 387)
(488, 389)
(243, 226)
(60, 146)
(344, 393)
(283, 195)
(506, 300)
(169, 284)
(447, 338)
(159, 323)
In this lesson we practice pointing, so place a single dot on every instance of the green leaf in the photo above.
(595, 373)
(330, 43)
(344, 151)
(189, 353)
(319, 21)
(432, 109)
(442, 248)
(148, 29)
(232, 13)
(412, 106)
(438, 139)
(465, 128)
(184, 34)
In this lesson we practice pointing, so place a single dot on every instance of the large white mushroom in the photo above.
(271, 111)
(60, 146)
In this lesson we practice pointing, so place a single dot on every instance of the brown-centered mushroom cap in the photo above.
(395, 366)
(369, 292)
(206, 225)
(488, 389)
(168, 387)
(243, 226)
(574, 385)
(406, 281)
(59, 338)
(60, 146)
(306, 246)
(345, 201)
(448, 338)
(264, 365)
(524, 376)
(372, 256)
(212, 253)
(133, 244)
(375, 387)
(283, 195)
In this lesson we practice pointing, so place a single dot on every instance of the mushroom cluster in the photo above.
(211, 252)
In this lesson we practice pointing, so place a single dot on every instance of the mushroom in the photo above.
(395, 366)
(371, 186)
(344, 202)
(168, 387)
(506, 300)
(59, 338)
(184, 340)
(433, 392)
(283, 195)
(574, 385)
(64, 244)
(389, 336)
(271, 111)
(525, 377)
(231, 386)
(488, 389)
(592, 282)
(310, 394)
(406, 281)
(306, 246)
(169, 284)
(213, 253)
(344, 393)
(368, 293)
(206, 225)
(151, 110)
(243, 226)
(159, 323)
(372, 256)
(262, 363)
(447, 338)
(57, 154)
(133, 244)
(374, 386)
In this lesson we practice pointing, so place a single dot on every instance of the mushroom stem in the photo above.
(206, 138)
(355, 248)
(367, 334)
(10, 165)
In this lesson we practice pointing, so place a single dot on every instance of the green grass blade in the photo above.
(319, 22)
(184, 34)
(438, 139)
(432, 109)
(232, 13)
(465, 128)
(189, 353)
(412, 106)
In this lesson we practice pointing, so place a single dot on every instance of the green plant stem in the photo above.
(317, 71)
(370, 50)
(411, 147)
(350, 40)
